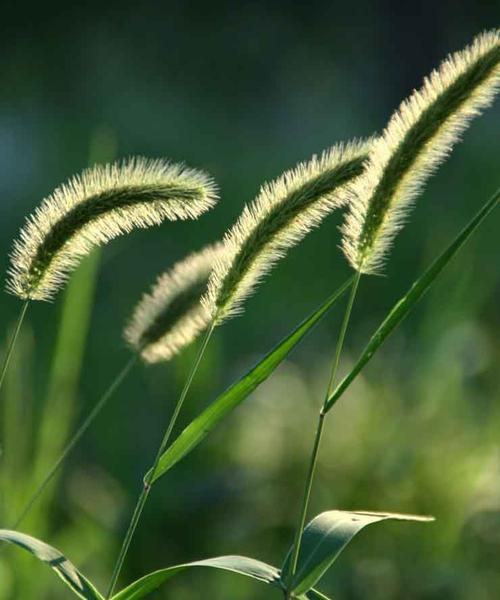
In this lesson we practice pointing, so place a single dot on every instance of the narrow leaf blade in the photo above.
(242, 565)
(198, 429)
(316, 595)
(56, 561)
(323, 540)
(407, 302)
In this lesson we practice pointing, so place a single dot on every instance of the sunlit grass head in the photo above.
(419, 136)
(282, 214)
(93, 208)
(170, 316)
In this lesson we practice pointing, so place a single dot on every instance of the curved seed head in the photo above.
(419, 136)
(171, 316)
(282, 214)
(93, 208)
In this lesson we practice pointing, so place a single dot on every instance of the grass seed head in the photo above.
(418, 137)
(93, 208)
(170, 316)
(282, 214)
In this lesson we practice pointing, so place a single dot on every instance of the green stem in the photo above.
(319, 430)
(75, 439)
(343, 331)
(13, 340)
(146, 488)
(405, 304)
(5, 365)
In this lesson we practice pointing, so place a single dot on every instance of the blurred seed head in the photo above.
(170, 316)
(93, 208)
(419, 136)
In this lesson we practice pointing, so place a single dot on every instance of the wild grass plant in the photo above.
(374, 182)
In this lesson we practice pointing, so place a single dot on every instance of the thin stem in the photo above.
(75, 439)
(13, 340)
(146, 488)
(6, 361)
(319, 429)
(341, 339)
(307, 492)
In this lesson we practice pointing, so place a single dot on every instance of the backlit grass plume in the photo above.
(93, 208)
(282, 214)
(171, 316)
(417, 139)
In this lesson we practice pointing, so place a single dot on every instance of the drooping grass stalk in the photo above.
(146, 488)
(101, 403)
(95, 207)
(321, 420)
(90, 210)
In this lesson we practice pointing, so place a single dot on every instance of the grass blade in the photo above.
(324, 539)
(316, 595)
(196, 431)
(418, 289)
(249, 567)
(57, 561)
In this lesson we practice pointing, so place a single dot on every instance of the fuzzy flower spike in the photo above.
(93, 208)
(171, 316)
(282, 214)
(419, 136)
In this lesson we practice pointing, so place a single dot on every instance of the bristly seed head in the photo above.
(282, 214)
(93, 208)
(171, 316)
(419, 136)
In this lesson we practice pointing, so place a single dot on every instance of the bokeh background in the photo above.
(245, 90)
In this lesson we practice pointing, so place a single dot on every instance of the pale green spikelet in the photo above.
(171, 316)
(282, 214)
(93, 208)
(417, 139)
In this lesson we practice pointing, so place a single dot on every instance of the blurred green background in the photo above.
(245, 90)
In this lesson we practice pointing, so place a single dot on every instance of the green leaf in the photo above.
(242, 565)
(196, 431)
(418, 289)
(57, 561)
(315, 595)
(323, 540)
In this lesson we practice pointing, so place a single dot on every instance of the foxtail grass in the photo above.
(170, 316)
(419, 136)
(279, 218)
(95, 207)
(90, 210)
(377, 179)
